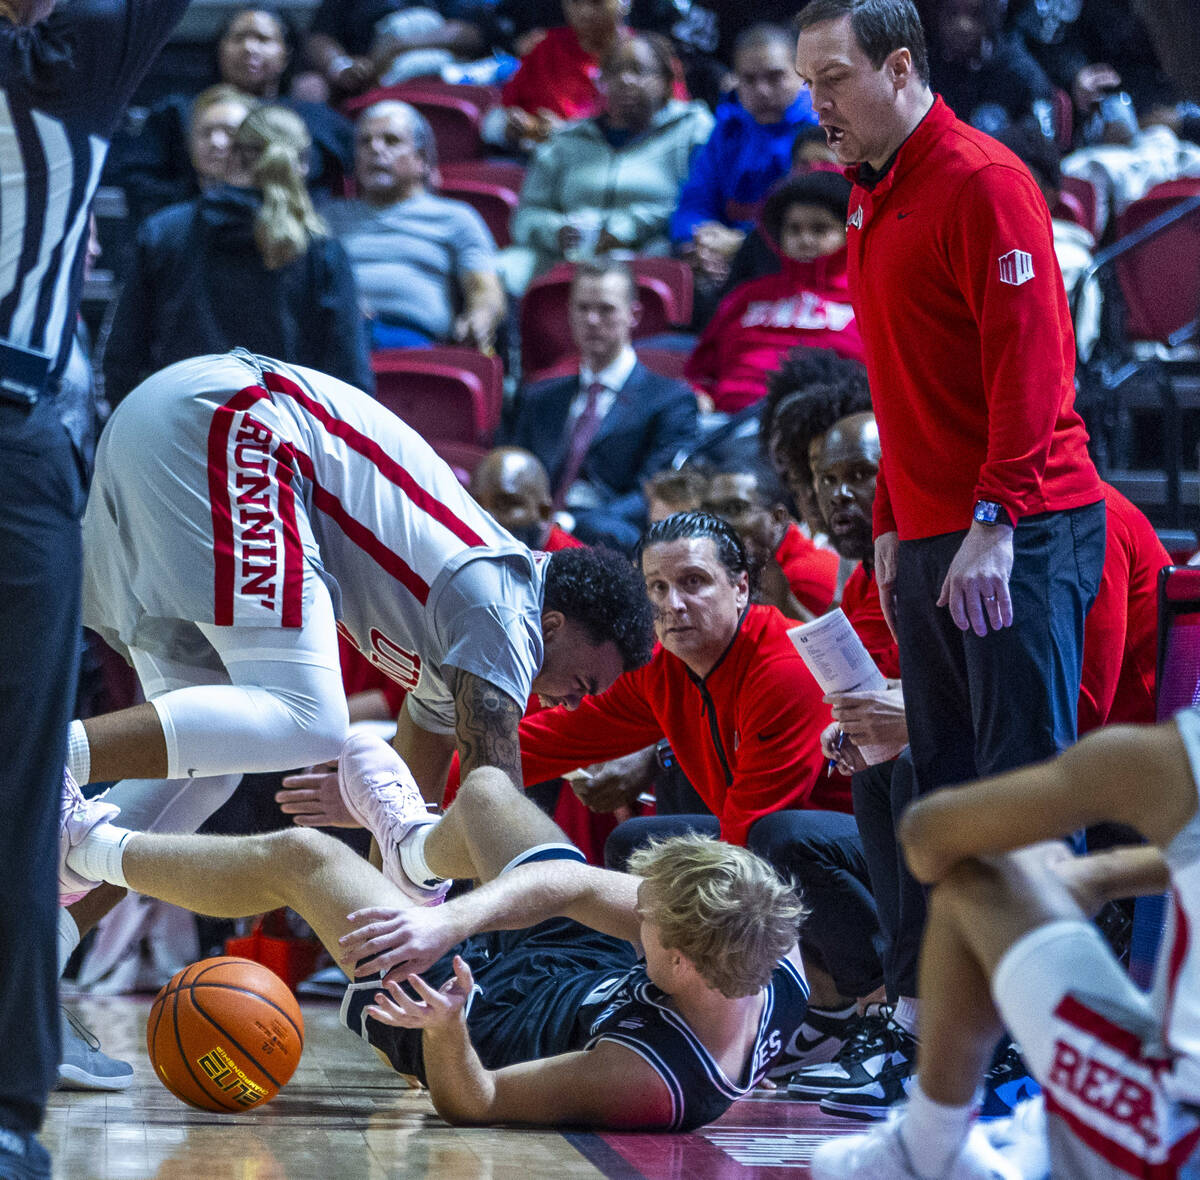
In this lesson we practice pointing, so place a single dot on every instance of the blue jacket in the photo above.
(731, 173)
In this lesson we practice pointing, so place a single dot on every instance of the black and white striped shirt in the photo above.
(63, 86)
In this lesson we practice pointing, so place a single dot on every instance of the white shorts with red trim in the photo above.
(1089, 1037)
(192, 517)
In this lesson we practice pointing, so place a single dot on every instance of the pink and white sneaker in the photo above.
(76, 819)
(380, 792)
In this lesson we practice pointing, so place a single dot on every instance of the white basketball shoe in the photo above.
(380, 792)
(76, 819)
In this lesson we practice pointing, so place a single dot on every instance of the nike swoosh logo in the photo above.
(902, 216)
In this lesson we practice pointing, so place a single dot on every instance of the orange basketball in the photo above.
(225, 1034)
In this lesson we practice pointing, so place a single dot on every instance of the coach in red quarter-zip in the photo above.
(989, 517)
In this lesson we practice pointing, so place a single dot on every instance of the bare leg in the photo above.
(980, 909)
(87, 911)
(489, 823)
(235, 876)
(127, 744)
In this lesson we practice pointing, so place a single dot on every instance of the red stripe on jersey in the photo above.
(293, 547)
(1117, 1155)
(372, 451)
(392, 562)
(219, 500)
(1082, 1017)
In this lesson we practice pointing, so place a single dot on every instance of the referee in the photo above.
(65, 79)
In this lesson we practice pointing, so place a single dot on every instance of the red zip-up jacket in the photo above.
(968, 337)
(1120, 636)
(811, 571)
(747, 736)
(861, 606)
(806, 303)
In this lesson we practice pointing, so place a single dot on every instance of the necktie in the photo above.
(582, 434)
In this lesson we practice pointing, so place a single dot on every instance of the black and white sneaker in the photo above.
(878, 1043)
(878, 1098)
(819, 1039)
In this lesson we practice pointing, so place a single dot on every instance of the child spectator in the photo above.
(807, 303)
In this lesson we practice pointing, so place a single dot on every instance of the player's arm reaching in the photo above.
(608, 1086)
(409, 939)
(485, 726)
(1136, 775)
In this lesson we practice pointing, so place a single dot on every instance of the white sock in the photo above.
(79, 753)
(932, 1132)
(97, 857)
(412, 856)
(68, 938)
(907, 1014)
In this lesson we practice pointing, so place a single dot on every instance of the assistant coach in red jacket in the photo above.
(989, 516)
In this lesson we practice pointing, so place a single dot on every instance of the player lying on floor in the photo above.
(1009, 942)
(571, 1026)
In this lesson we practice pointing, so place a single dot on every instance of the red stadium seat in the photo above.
(463, 457)
(1160, 280)
(493, 202)
(454, 112)
(1084, 194)
(666, 362)
(446, 394)
(546, 340)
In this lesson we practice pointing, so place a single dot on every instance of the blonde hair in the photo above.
(214, 95)
(725, 909)
(287, 221)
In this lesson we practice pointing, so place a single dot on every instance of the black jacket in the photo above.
(198, 285)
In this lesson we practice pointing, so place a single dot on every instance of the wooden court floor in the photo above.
(344, 1116)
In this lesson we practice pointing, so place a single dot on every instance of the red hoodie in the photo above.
(807, 303)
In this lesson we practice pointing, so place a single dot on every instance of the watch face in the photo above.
(987, 512)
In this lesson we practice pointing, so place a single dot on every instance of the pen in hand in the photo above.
(841, 738)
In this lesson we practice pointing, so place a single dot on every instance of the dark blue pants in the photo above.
(979, 706)
(881, 793)
(818, 850)
(41, 498)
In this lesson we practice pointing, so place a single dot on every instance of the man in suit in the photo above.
(602, 431)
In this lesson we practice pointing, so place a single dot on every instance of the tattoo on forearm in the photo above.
(486, 720)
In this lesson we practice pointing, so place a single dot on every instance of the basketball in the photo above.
(225, 1034)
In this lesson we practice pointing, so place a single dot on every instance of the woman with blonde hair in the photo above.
(248, 263)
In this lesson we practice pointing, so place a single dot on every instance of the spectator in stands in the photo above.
(353, 45)
(559, 76)
(806, 303)
(749, 149)
(985, 73)
(615, 175)
(165, 165)
(160, 165)
(794, 575)
(248, 263)
(674, 490)
(425, 265)
(1092, 49)
(513, 487)
(602, 431)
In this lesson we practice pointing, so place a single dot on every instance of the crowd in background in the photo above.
(293, 207)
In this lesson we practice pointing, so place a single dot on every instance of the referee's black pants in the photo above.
(41, 500)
